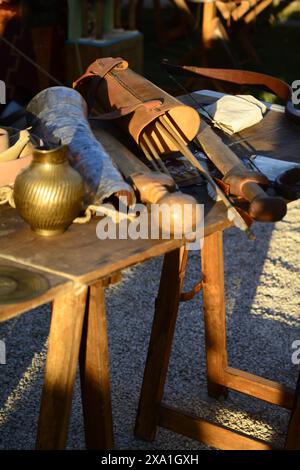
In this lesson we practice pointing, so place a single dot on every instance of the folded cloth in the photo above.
(235, 113)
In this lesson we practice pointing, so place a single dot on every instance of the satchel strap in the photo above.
(243, 77)
(99, 69)
(103, 66)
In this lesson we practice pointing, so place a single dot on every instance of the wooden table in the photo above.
(78, 267)
(275, 137)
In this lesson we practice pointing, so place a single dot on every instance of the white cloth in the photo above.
(234, 113)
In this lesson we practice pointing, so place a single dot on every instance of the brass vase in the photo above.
(49, 193)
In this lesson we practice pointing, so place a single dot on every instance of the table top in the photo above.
(276, 136)
(78, 256)
(56, 285)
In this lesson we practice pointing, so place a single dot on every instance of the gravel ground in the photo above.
(262, 290)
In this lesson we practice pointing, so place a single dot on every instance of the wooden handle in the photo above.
(219, 153)
(178, 213)
(241, 181)
(263, 208)
(154, 188)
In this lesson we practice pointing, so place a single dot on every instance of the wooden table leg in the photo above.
(293, 435)
(209, 14)
(214, 313)
(62, 358)
(94, 371)
(164, 322)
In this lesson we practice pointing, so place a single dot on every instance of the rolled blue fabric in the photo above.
(59, 115)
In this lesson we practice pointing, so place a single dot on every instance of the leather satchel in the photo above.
(116, 92)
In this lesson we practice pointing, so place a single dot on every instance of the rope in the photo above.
(7, 196)
(103, 209)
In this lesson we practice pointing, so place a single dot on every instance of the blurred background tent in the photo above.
(43, 42)
(38, 30)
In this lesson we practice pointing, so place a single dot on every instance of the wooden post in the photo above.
(108, 15)
(132, 6)
(99, 18)
(84, 20)
(214, 312)
(43, 42)
(94, 372)
(259, 7)
(62, 358)
(75, 18)
(209, 14)
(164, 322)
(118, 14)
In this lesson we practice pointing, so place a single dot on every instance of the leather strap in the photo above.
(99, 69)
(243, 77)
(102, 67)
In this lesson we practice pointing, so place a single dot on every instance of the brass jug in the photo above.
(49, 193)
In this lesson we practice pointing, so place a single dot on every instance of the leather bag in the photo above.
(116, 92)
